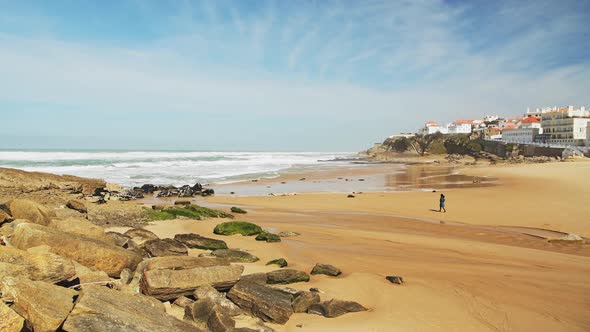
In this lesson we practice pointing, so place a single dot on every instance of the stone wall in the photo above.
(503, 150)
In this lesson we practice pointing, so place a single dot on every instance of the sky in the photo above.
(277, 75)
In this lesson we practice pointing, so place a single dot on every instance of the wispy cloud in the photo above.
(376, 66)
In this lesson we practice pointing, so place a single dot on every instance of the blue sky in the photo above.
(277, 75)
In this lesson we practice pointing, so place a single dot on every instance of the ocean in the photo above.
(133, 168)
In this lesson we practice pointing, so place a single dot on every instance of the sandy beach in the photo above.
(485, 265)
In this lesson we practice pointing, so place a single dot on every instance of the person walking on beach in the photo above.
(442, 204)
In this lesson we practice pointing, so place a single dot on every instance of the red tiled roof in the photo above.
(531, 119)
(463, 122)
(431, 123)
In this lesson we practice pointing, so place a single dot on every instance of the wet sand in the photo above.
(486, 265)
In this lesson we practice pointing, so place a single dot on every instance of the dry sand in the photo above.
(461, 275)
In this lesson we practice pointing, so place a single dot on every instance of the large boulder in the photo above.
(326, 269)
(166, 284)
(264, 302)
(81, 227)
(89, 252)
(335, 308)
(286, 276)
(140, 235)
(196, 241)
(165, 247)
(86, 275)
(206, 314)
(43, 305)
(234, 255)
(237, 227)
(26, 209)
(10, 321)
(35, 265)
(183, 262)
(77, 205)
(102, 309)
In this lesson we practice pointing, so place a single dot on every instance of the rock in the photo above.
(126, 276)
(183, 262)
(102, 309)
(268, 237)
(208, 292)
(38, 266)
(170, 284)
(148, 188)
(571, 237)
(195, 241)
(134, 286)
(208, 315)
(197, 187)
(234, 255)
(185, 203)
(335, 308)
(118, 239)
(304, 300)
(86, 275)
(185, 191)
(43, 305)
(5, 217)
(77, 205)
(159, 207)
(140, 235)
(326, 269)
(237, 227)
(81, 227)
(207, 192)
(286, 276)
(257, 278)
(279, 261)
(236, 209)
(288, 234)
(395, 279)
(264, 302)
(350, 196)
(26, 209)
(315, 290)
(183, 302)
(89, 252)
(165, 247)
(10, 321)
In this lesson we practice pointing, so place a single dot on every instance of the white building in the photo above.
(525, 133)
(490, 118)
(460, 127)
(432, 127)
(566, 126)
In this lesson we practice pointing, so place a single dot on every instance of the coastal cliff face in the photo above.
(14, 182)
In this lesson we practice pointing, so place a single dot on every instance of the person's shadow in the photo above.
(433, 210)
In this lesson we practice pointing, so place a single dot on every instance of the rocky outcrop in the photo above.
(5, 217)
(257, 278)
(264, 302)
(118, 239)
(326, 269)
(10, 321)
(335, 308)
(166, 284)
(288, 234)
(77, 205)
(140, 235)
(92, 253)
(165, 247)
(286, 276)
(101, 309)
(35, 265)
(196, 241)
(81, 227)
(43, 305)
(237, 227)
(29, 210)
(234, 255)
